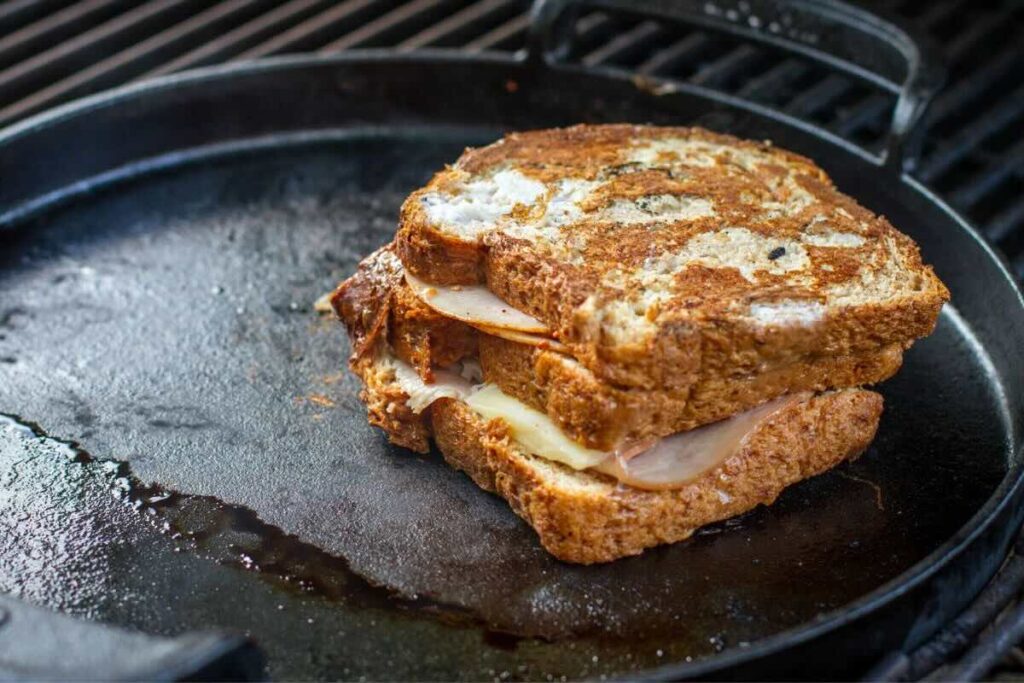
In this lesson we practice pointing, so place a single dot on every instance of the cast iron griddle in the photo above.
(162, 248)
(167, 322)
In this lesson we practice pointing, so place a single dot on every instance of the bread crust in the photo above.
(703, 321)
(430, 253)
(586, 517)
(386, 405)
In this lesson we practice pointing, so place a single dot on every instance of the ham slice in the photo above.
(475, 305)
(446, 384)
(545, 343)
(677, 460)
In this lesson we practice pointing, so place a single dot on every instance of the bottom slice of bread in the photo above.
(586, 517)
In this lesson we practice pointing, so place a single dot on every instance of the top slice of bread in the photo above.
(659, 254)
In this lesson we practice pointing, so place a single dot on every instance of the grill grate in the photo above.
(51, 52)
(800, 87)
(974, 152)
(54, 50)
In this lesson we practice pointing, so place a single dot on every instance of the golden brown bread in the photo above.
(602, 416)
(661, 255)
(590, 410)
(586, 517)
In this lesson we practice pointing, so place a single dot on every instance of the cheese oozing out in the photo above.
(475, 305)
(534, 430)
(667, 463)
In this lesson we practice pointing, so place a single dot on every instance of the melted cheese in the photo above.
(475, 305)
(534, 430)
(668, 463)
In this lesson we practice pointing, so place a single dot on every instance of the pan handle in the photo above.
(876, 50)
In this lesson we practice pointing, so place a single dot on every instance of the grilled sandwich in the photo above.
(629, 332)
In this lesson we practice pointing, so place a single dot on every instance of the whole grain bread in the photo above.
(662, 255)
(602, 416)
(592, 411)
(587, 517)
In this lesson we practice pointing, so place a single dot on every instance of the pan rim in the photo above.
(912, 578)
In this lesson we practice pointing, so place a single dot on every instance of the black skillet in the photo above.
(162, 246)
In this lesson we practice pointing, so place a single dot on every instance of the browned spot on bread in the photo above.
(634, 185)
(699, 285)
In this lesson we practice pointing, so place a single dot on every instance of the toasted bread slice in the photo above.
(592, 411)
(663, 255)
(587, 517)
(602, 416)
